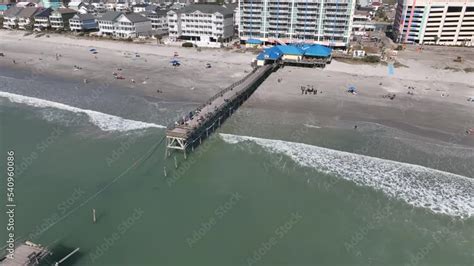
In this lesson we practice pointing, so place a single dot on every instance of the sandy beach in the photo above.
(437, 109)
(334, 177)
(148, 65)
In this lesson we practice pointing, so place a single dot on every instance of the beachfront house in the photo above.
(107, 23)
(97, 6)
(59, 19)
(32, 3)
(26, 17)
(159, 21)
(139, 8)
(10, 17)
(42, 19)
(122, 5)
(76, 4)
(132, 25)
(109, 5)
(202, 24)
(83, 22)
(4, 5)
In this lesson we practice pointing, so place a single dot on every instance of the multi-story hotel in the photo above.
(203, 24)
(445, 22)
(326, 22)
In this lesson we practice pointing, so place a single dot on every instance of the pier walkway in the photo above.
(189, 131)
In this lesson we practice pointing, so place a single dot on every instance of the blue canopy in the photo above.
(290, 49)
(254, 41)
(318, 50)
(272, 53)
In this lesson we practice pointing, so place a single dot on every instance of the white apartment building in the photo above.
(327, 22)
(445, 22)
(202, 24)
(124, 25)
(159, 20)
(132, 25)
(10, 17)
(107, 22)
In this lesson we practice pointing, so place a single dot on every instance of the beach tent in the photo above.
(175, 62)
(352, 89)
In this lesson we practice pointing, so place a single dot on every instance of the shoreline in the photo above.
(426, 114)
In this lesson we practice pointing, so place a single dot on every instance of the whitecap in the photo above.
(105, 122)
(419, 186)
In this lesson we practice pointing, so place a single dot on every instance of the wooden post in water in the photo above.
(93, 216)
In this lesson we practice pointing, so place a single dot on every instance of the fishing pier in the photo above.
(189, 132)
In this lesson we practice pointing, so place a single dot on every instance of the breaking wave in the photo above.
(105, 122)
(419, 186)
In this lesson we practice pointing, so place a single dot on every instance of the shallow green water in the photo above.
(228, 204)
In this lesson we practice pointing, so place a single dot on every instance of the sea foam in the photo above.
(105, 122)
(419, 186)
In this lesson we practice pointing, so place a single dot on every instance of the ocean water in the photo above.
(319, 199)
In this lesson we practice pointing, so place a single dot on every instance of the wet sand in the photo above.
(437, 110)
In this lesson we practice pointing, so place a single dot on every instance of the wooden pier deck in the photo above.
(197, 125)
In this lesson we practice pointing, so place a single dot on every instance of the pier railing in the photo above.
(200, 123)
(219, 94)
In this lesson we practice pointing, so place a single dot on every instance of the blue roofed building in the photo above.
(311, 55)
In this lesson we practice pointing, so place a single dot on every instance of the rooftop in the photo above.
(12, 11)
(310, 50)
(206, 8)
(84, 16)
(110, 16)
(65, 11)
(135, 18)
(29, 12)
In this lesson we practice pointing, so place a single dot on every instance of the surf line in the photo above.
(105, 122)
